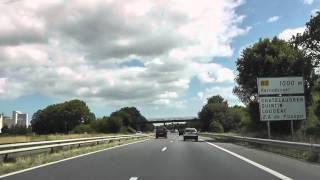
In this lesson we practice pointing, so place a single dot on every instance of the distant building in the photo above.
(19, 118)
(7, 121)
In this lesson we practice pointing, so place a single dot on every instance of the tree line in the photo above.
(75, 117)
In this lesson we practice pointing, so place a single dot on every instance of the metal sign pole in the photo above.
(268, 124)
(292, 129)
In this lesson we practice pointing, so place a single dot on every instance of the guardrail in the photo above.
(275, 143)
(35, 147)
(38, 143)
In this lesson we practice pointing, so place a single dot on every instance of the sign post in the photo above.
(292, 129)
(269, 134)
(281, 98)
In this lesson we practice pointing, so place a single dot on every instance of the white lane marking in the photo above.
(163, 149)
(133, 178)
(171, 141)
(275, 173)
(54, 162)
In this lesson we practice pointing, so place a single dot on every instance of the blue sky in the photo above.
(165, 60)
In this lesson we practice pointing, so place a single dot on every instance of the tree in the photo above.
(270, 58)
(61, 118)
(309, 40)
(214, 110)
(114, 124)
(215, 99)
(316, 95)
(215, 126)
(5, 129)
(131, 117)
(233, 118)
(100, 125)
(125, 116)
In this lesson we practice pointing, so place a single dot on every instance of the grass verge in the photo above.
(4, 139)
(35, 160)
(298, 154)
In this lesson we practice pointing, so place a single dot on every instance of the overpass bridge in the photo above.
(171, 120)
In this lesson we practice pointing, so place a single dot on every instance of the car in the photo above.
(161, 132)
(139, 132)
(190, 133)
(181, 131)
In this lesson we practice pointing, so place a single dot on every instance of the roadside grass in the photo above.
(4, 139)
(298, 154)
(294, 153)
(30, 161)
(297, 137)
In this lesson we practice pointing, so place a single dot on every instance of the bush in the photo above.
(215, 126)
(16, 130)
(83, 128)
(100, 125)
(5, 129)
(317, 109)
(114, 124)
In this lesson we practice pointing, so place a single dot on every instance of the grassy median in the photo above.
(35, 160)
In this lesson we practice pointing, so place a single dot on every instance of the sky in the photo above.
(163, 57)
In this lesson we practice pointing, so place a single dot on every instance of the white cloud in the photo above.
(213, 73)
(314, 12)
(288, 33)
(73, 49)
(309, 2)
(2, 84)
(225, 92)
(161, 102)
(200, 95)
(168, 94)
(273, 19)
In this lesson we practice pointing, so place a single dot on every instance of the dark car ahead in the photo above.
(181, 131)
(161, 132)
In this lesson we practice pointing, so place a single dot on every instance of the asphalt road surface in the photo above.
(174, 159)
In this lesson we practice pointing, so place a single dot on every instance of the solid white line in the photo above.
(275, 173)
(54, 162)
(163, 149)
(133, 178)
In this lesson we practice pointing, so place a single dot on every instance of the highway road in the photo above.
(174, 159)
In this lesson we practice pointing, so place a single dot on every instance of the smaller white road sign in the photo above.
(282, 108)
